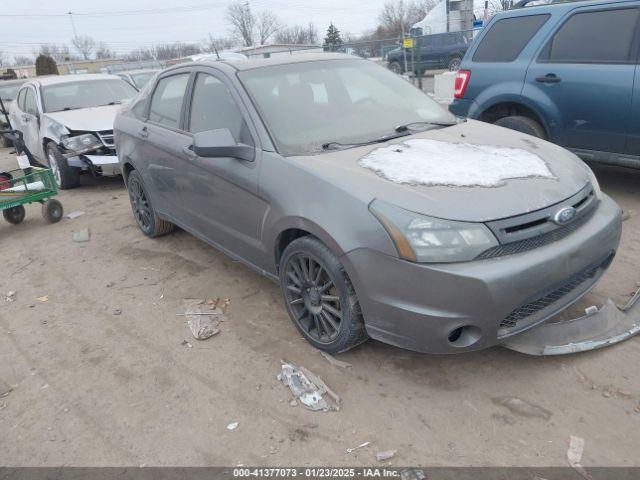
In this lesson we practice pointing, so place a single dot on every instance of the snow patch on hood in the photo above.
(433, 162)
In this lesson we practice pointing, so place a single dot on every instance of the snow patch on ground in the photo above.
(432, 162)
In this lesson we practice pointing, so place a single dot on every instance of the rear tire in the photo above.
(319, 296)
(454, 64)
(52, 210)
(395, 67)
(148, 221)
(66, 176)
(522, 124)
(14, 215)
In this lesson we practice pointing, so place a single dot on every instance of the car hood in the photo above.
(465, 203)
(93, 119)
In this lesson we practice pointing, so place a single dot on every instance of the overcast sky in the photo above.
(25, 24)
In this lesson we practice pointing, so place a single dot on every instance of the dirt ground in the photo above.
(100, 377)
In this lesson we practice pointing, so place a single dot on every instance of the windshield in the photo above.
(84, 94)
(306, 105)
(8, 92)
(141, 79)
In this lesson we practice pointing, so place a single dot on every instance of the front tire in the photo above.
(395, 67)
(66, 177)
(52, 210)
(522, 124)
(148, 221)
(319, 296)
(14, 215)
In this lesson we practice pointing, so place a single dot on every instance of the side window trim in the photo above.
(147, 111)
(545, 46)
(234, 94)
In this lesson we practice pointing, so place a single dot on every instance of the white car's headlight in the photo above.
(423, 239)
(82, 143)
(594, 182)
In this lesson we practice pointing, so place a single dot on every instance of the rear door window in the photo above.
(30, 105)
(595, 37)
(507, 38)
(166, 103)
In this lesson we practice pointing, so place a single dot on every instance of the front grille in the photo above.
(531, 308)
(106, 136)
(535, 242)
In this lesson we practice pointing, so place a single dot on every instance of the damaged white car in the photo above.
(67, 123)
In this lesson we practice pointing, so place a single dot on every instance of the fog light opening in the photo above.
(464, 336)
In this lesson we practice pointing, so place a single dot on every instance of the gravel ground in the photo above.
(93, 351)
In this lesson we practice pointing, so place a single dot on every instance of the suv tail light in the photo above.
(461, 83)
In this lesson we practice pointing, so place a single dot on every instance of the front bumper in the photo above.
(450, 308)
(103, 165)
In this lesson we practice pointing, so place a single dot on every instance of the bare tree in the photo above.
(103, 51)
(84, 44)
(3, 58)
(22, 60)
(267, 25)
(139, 55)
(298, 35)
(60, 53)
(398, 16)
(241, 17)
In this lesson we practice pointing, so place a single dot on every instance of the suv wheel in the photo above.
(319, 296)
(66, 176)
(148, 221)
(454, 64)
(522, 124)
(395, 68)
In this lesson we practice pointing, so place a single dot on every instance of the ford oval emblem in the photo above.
(564, 215)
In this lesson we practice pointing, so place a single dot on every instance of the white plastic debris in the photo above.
(362, 445)
(574, 455)
(75, 214)
(232, 426)
(81, 235)
(308, 388)
(10, 296)
(202, 319)
(386, 455)
(433, 162)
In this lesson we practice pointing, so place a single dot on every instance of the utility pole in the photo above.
(448, 6)
(73, 24)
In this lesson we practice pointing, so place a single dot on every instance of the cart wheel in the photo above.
(52, 210)
(14, 215)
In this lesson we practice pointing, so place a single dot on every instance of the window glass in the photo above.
(507, 38)
(166, 104)
(85, 94)
(30, 105)
(595, 37)
(21, 99)
(308, 104)
(213, 107)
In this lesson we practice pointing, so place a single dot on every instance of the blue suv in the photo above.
(564, 71)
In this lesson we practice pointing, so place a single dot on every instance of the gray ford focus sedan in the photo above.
(378, 212)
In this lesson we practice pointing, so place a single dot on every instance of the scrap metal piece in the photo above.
(597, 329)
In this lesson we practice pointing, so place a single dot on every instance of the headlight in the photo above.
(423, 239)
(82, 143)
(594, 182)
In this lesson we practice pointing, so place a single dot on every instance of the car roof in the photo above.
(557, 5)
(138, 70)
(277, 60)
(60, 79)
(15, 81)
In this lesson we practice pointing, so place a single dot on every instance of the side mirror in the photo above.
(220, 143)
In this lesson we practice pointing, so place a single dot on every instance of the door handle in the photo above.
(188, 151)
(144, 133)
(549, 78)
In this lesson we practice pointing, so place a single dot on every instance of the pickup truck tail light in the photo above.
(461, 83)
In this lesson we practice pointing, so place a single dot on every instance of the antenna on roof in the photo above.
(213, 44)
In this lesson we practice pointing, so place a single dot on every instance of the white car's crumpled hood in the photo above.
(93, 119)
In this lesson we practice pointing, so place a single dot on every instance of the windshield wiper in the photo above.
(410, 126)
(115, 102)
(386, 138)
(66, 109)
